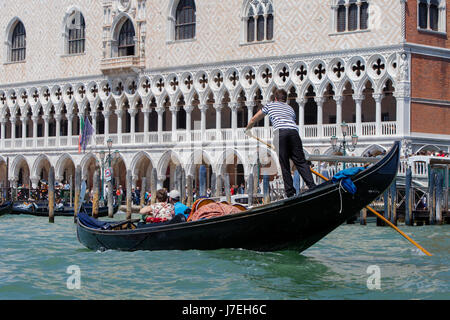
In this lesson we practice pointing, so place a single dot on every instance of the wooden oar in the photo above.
(369, 208)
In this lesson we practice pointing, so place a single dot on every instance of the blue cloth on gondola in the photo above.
(345, 175)
(92, 223)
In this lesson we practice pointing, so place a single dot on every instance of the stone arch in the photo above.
(141, 166)
(61, 165)
(373, 151)
(41, 167)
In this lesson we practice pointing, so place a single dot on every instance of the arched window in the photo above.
(126, 45)
(258, 21)
(431, 15)
(423, 14)
(76, 41)
(351, 15)
(185, 20)
(18, 43)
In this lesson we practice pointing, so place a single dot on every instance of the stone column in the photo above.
(24, 120)
(13, 129)
(160, 111)
(3, 124)
(301, 115)
(339, 100)
(106, 115)
(203, 108)
(319, 102)
(46, 121)
(69, 128)
(58, 128)
(358, 101)
(188, 110)
(250, 105)
(160, 182)
(146, 120)
(119, 114)
(35, 129)
(378, 98)
(218, 107)
(133, 113)
(174, 111)
(234, 107)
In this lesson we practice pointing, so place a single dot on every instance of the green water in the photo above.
(35, 255)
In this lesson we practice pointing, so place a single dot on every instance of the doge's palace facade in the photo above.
(174, 82)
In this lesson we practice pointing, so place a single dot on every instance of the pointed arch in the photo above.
(15, 36)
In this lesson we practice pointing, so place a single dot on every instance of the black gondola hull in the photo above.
(295, 223)
(42, 211)
(5, 208)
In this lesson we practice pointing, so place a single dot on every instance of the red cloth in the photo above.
(154, 220)
(214, 210)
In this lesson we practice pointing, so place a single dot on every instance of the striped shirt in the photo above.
(281, 115)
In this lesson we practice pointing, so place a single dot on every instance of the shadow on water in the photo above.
(285, 273)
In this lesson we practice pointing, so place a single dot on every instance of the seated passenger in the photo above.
(180, 208)
(160, 211)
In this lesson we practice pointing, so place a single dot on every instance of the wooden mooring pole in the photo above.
(96, 185)
(143, 190)
(363, 217)
(190, 196)
(129, 180)
(393, 197)
(439, 197)
(432, 196)
(77, 190)
(227, 187)
(153, 185)
(409, 218)
(51, 195)
(266, 189)
(110, 198)
(202, 180)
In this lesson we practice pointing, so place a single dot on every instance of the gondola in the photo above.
(294, 223)
(41, 210)
(5, 208)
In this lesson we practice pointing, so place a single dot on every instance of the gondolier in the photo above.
(286, 139)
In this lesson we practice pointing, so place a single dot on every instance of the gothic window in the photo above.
(18, 43)
(185, 20)
(351, 15)
(258, 22)
(77, 34)
(126, 43)
(431, 15)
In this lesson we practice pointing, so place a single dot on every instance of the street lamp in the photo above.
(343, 145)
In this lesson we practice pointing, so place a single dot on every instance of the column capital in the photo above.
(106, 113)
(174, 109)
(218, 106)
(58, 117)
(46, 117)
(338, 99)
(301, 101)
(378, 97)
(119, 113)
(234, 106)
(147, 110)
(36, 118)
(188, 109)
(319, 100)
(24, 118)
(358, 98)
(159, 110)
(132, 111)
(203, 107)
(250, 104)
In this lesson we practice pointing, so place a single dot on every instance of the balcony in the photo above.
(310, 133)
(122, 64)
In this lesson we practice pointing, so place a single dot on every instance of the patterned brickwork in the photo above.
(301, 26)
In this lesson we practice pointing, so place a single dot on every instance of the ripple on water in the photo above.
(35, 256)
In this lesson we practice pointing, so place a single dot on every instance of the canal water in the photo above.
(35, 257)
